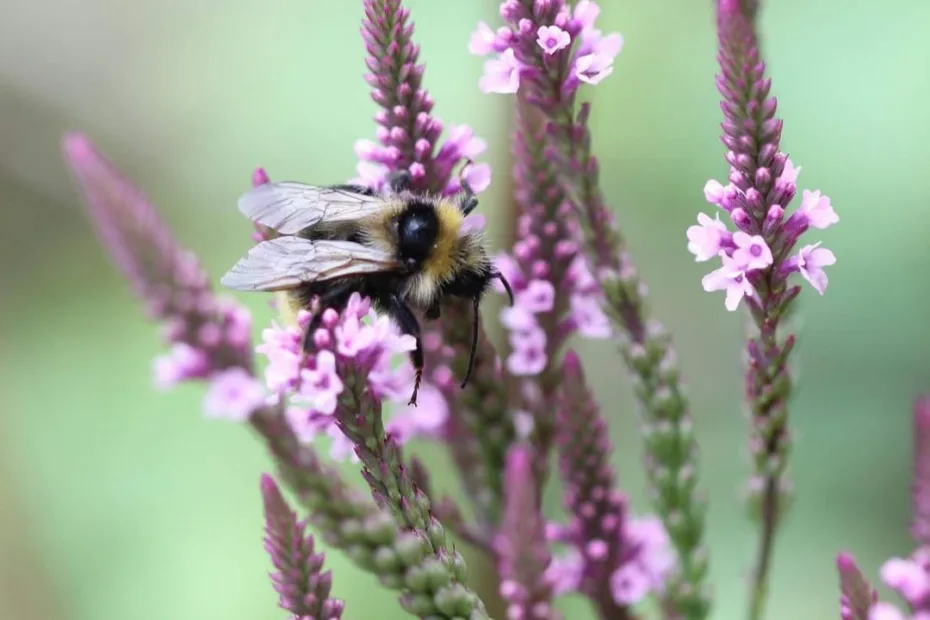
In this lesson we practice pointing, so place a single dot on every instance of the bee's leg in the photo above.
(467, 199)
(399, 180)
(336, 298)
(408, 324)
(433, 311)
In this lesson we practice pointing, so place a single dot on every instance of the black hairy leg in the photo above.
(399, 181)
(335, 297)
(467, 199)
(433, 312)
(408, 324)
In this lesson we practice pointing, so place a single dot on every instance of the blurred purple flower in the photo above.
(210, 338)
(299, 579)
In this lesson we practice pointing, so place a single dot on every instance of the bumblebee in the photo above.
(404, 250)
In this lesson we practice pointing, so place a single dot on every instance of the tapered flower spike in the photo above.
(522, 551)
(209, 337)
(147, 251)
(556, 295)
(857, 595)
(756, 258)
(409, 140)
(549, 75)
(621, 559)
(299, 579)
(920, 487)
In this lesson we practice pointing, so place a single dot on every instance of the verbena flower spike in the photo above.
(546, 51)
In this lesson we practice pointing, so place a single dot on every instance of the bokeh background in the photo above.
(117, 501)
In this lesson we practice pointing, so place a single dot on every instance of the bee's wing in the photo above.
(287, 262)
(288, 207)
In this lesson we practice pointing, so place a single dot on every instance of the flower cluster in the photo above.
(357, 343)
(746, 251)
(549, 28)
(209, 337)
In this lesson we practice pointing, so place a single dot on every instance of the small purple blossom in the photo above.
(560, 35)
(233, 394)
(731, 277)
(552, 39)
(501, 74)
(810, 262)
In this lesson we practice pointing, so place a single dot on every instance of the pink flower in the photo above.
(589, 319)
(501, 75)
(320, 385)
(886, 611)
(909, 578)
(478, 177)
(730, 278)
(427, 419)
(714, 192)
(552, 39)
(518, 318)
(707, 239)
(565, 572)
(596, 65)
(483, 41)
(817, 209)
(473, 222)
(752, 252)
(233, 394)
(586, 13)
(790, 173)
(537, 297)
(528, 357)
(352, 336)
(629, 584)
(810, 262)
(181, 363)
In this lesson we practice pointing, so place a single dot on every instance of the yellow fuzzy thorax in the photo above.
(442, 259)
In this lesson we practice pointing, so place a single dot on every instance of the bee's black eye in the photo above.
(416, 234)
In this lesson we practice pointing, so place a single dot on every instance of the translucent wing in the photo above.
(288, 207)
(287, 262)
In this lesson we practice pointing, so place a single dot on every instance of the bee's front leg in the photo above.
(399, 181)
(408, 324)
(433, 312)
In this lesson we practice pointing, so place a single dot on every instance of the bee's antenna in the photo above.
(499, 276)
(474, 340)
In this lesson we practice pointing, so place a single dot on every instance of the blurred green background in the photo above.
(117, 501)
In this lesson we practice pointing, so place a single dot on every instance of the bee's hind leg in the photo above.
(408, 324)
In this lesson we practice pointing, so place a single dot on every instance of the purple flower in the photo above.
(597, 64)
(708, 238)
(358, 346)
(233, 394)
(521, 545)
(209, 337)
(548, 28)
(732, 279)
(501, 74)
(810, 262)
(303, 587)
(552, 39)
